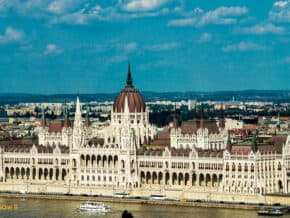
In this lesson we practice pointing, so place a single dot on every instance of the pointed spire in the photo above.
(78, 114)
(88, 116)
(43, 121)
(175, 118)
(129, 76)
(78, 106)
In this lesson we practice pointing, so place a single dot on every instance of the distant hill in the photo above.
(246, 95)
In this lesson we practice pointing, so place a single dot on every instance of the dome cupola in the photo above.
(135, 101)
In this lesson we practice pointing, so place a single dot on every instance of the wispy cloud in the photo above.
(243, 46)
(205, 37)
(52, 49)
(128, 47)
(11, 35)
(260, 29)
(221, 15)
(117, 46)
(287, 60)
(117, 59)
(163, 46)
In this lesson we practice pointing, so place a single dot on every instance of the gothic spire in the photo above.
(88, 116)
(43, 121)
(78, 114)
(129, 76)
(175, 118)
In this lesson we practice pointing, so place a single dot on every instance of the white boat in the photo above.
(157, 197)
(22, 191)
(121, 195)
(272, 212)
(94, 206)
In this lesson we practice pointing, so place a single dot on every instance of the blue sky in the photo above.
(66, 46)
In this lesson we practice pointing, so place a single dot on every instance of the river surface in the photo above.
(15, 207)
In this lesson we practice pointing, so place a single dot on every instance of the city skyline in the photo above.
(69, 46)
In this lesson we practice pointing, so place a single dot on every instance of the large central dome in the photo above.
(136, 103)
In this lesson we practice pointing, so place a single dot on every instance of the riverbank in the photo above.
(182, 203)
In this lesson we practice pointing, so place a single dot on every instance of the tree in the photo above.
(126, 214)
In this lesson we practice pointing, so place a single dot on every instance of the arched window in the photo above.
(246, 168)
(239, 167)
(252, 168)
(279, 166)
(233, 167)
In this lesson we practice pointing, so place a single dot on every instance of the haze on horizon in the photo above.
(68, 46)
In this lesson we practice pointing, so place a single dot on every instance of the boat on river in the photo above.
(94, 206)
(270, 212)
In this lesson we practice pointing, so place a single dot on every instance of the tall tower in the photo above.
(78, 126)
(130, 109)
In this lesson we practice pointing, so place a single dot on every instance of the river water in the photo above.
(15, 207)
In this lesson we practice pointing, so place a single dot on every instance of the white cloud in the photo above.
(163, 46)
(221, 15)
(205, 37)
(129, 47)
(143, 5)
(78, 18)
(11, 35)
(118, 59)
(261, 29)
(183, 22)
(84, 12)
(243, 46)
(116, 46)
(198, 10)
(280, 11)
(62, 6)
(52, 49)
(280, 4)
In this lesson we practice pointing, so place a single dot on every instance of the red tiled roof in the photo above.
(180, 152)
(241, 150)
(210, 153)
(284, 118)
(18, 142)
(55, 127)
(21, 148)
(191, 127)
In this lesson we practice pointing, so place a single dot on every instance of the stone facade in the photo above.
(196, 160)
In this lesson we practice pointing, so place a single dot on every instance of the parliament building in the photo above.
(192, 160)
